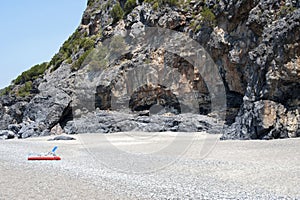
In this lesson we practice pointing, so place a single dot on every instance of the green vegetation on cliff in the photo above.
(208, 17)
(37, 71)
(205, 18)
(90, 2)
(117, 13)
(77, 64)
(22, 85)
(6, 91)
(65, 51)
(25, 89)
(129, 6)
(72, 46)
(163, 2)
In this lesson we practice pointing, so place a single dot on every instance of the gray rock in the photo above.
(15, 128)
(109, 122)
(171, 19)
(62, 137)
(11, 111)
(48, 107)
(271, 103)
(32, 129)
(5, 135)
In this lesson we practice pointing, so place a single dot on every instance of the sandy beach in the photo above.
(151, 166)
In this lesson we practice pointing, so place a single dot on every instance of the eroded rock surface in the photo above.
(111, 121)
(254, 44)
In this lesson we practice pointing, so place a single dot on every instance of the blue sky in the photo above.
(32, 32)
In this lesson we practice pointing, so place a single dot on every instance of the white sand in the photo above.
(151, 166)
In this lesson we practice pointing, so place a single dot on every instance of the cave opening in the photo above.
(67, 116)
(155, 99)
(185, 85)
(103, 97)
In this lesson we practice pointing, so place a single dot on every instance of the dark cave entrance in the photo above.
(187, 85)
(103, 97)
(67, 116)
(156, 99)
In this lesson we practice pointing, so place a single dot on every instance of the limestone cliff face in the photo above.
(272, 93)
(254, 44)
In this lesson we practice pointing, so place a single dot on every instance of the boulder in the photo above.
(5, 135)
(15, 128)
(11, 110)
(62, 137)
(33, 129)
(57, 130)
(48, 109)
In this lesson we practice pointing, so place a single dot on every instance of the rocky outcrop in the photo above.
(11, 110)
(253, 44)
(112, 121)
(50, 106)
(6, 135)
(271, 103)
(265, 119)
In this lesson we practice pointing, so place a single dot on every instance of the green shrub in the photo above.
(107, 5)
(155, 6)
(32, 74)
(87, 43)
(56, 61)
(198, 28)
(170, 2)
(157, 3)
(90, 2)
(209, 17)
(70, 47)
(6, 90)
(77, 65)
(117, 13)
(129, 6)
(65, 50)
(24, 91)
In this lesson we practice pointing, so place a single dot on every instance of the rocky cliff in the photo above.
(254, 45)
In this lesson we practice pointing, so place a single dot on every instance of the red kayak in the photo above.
(49, 157)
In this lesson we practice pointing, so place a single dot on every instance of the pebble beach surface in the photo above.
(151, 166)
